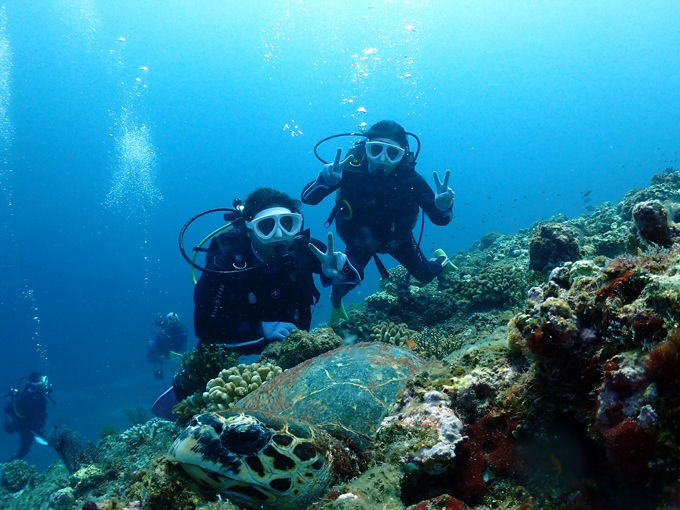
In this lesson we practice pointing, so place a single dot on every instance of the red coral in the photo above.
(610, 366)
(443, 502)
(466, 477)
(548, 342)
(663, 364)
(627, 287)
(629, 447)
(490, 443)
(649, 327)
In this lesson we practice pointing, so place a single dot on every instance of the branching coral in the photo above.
(437, 342)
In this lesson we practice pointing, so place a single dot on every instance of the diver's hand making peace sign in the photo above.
(334, 264)
(443, 197)
(332, 172)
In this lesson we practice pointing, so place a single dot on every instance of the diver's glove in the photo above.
(332, 172)
(334, 264)
(443, 197)
(273, 331)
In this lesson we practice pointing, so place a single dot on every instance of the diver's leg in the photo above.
(409, 255)
(26, 437)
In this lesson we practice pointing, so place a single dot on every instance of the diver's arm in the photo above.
(327, 181)
(314, 192)
(335, 267)
(426, 201)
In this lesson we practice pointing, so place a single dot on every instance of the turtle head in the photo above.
(255, 458)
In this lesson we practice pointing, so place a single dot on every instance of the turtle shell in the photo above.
(346, 391)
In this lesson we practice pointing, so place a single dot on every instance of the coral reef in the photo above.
(300, 346)
(226, 389)
(71, 447)
(421, 433)
(376, 488)
(143, 432)
(552, 245)
(391, 333)
(17, 474)
(651, 220)
(557, 385)
(235, 383)
(201, 365)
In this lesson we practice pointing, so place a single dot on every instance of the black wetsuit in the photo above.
(376, 213)
(25, 413)
(230, 308)
(172, 336)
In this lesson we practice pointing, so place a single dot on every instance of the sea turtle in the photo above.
(282, 446)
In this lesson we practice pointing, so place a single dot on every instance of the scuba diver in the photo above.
(379, 195)
(171, 336)
(257, 285)
(26, 412)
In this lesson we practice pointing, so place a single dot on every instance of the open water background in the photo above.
(121, 120)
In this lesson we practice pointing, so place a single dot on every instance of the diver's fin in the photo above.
(448, 267)
(163, 405)
(338, 314)
(39, 439)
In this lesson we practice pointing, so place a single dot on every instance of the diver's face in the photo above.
(268, 239)
(384, 155)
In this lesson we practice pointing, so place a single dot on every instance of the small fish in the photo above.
(586, 200)
(589, 208)
(587, 193)
(411, 343)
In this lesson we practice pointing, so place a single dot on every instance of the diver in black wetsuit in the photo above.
(258, 281)
(379, 195)
(171, 336)
(26, 412)
(269, 288)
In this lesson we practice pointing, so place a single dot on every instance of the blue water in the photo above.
(121, 120)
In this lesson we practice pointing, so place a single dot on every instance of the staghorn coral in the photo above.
(17, 474)
(234, 383)
(437, 342)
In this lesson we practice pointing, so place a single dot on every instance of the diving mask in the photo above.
(42, 386)
(383, 152)
(275, 224)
